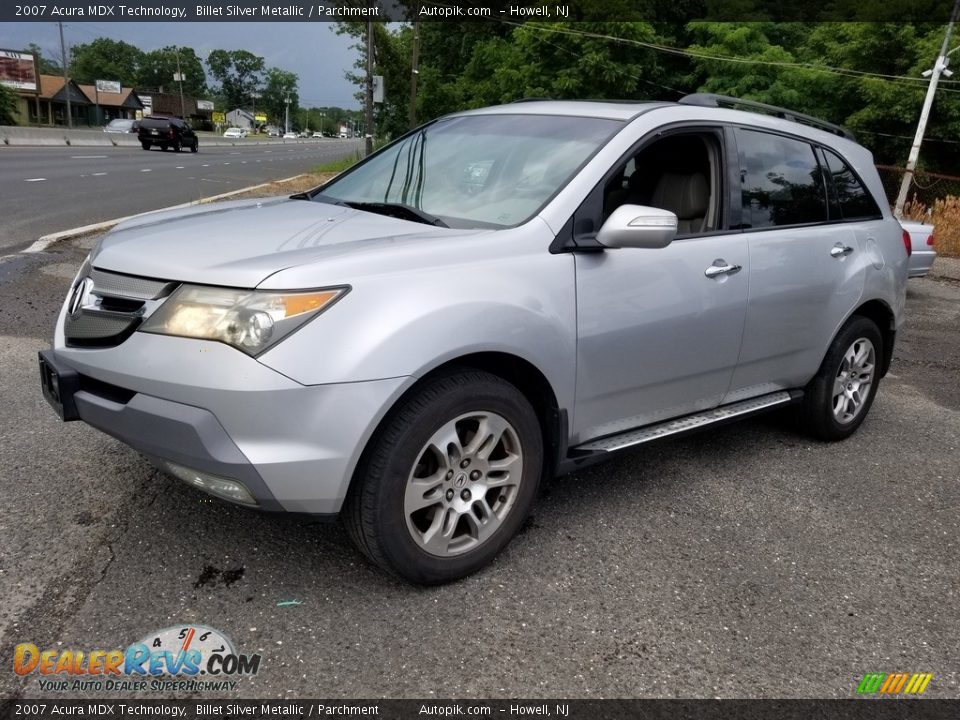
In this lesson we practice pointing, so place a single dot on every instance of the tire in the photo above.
(177, 147)
(145, 145)
(164, 147)
(443, 529)
(838, 398)
(195, 147)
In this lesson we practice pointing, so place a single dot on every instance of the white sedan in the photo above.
(235, 132)
(290, 136)
(922, 242)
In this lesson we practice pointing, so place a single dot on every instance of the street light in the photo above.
(286, 118)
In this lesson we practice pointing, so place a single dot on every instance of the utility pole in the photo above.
(179, 79)
(286, 115)
(66, 80)
(369, 108)
(940, 66)
(414, 71)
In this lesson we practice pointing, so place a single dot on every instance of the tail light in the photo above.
(930, 240)
(907, 244)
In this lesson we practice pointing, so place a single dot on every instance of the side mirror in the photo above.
(638, 226)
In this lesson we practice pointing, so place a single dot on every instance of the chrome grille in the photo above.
(105, 308)
(127, 286)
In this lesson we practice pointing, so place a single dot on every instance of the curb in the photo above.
(44, 242)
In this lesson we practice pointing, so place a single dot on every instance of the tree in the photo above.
(106, 59)
(239, 72)
(279, 85)
(159, 66)
(391, 54)
(8, 106)
(45, 66)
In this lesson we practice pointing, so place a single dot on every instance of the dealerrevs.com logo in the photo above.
(894, 683)
(182, 658)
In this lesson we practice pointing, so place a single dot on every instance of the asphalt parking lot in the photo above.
(743, 562)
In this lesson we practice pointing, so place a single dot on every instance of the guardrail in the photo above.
(62, 137)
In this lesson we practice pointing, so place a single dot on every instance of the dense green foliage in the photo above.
(158, 67)
(240, 74)
(866, 76)
(7, 106)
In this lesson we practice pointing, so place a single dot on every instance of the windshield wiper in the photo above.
(397, 210)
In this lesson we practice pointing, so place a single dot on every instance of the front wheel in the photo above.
(840, 395)
(448, 479)
(195, 146)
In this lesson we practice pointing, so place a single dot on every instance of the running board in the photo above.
(688, 423)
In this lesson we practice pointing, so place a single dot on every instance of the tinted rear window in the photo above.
(154, 124)
(854, 199)
(781, 181)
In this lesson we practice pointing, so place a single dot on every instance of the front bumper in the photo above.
(210, 408)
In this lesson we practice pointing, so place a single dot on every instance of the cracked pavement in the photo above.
(746, 561)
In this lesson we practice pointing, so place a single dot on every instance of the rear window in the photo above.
(155, 123)
(850, 197)
(781, 181)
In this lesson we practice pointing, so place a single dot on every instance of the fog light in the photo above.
(231, 490)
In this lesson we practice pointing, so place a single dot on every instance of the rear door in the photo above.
(806, 265)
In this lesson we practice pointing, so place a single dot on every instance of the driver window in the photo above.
(679, 173)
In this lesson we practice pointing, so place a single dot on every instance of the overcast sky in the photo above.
(312, 50)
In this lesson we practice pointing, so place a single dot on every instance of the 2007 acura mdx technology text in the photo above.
(499, 296)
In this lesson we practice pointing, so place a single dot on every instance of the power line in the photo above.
(900, 79)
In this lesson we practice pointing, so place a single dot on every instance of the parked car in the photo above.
(317, 134)
(923, 244)
(273, 132)
(166, 133)
(235, 132)
(502, 296)
(121, 125)
(289, 136)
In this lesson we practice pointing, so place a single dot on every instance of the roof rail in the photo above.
(711, 100)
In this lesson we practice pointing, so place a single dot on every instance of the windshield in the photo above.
(475, 171)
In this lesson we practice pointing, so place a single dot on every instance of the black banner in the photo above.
(101, 11)
(201, 709)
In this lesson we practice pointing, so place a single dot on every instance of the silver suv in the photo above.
(500, 296)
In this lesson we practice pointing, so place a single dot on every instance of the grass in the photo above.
(944, 215)
(337, 166)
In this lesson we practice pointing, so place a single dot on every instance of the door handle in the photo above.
(839, 250)
(720, 267)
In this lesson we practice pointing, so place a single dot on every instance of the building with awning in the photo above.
(48, 105)
(108, 105)
(194, 110)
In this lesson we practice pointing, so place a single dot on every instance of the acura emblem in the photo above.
(80, 293)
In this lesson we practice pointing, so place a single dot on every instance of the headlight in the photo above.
(249, 320)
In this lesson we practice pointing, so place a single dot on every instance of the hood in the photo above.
(242, 243)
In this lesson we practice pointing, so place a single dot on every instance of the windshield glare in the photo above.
(477, 171)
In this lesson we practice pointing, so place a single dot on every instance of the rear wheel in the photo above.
(448, 480)
(177, 146)
(840, 395)
(145, 145)
(195, 146)
(164, 147)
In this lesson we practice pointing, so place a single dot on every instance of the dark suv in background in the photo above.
(167, 133)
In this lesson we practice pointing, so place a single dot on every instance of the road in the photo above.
(46, 190)
(744, 562)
